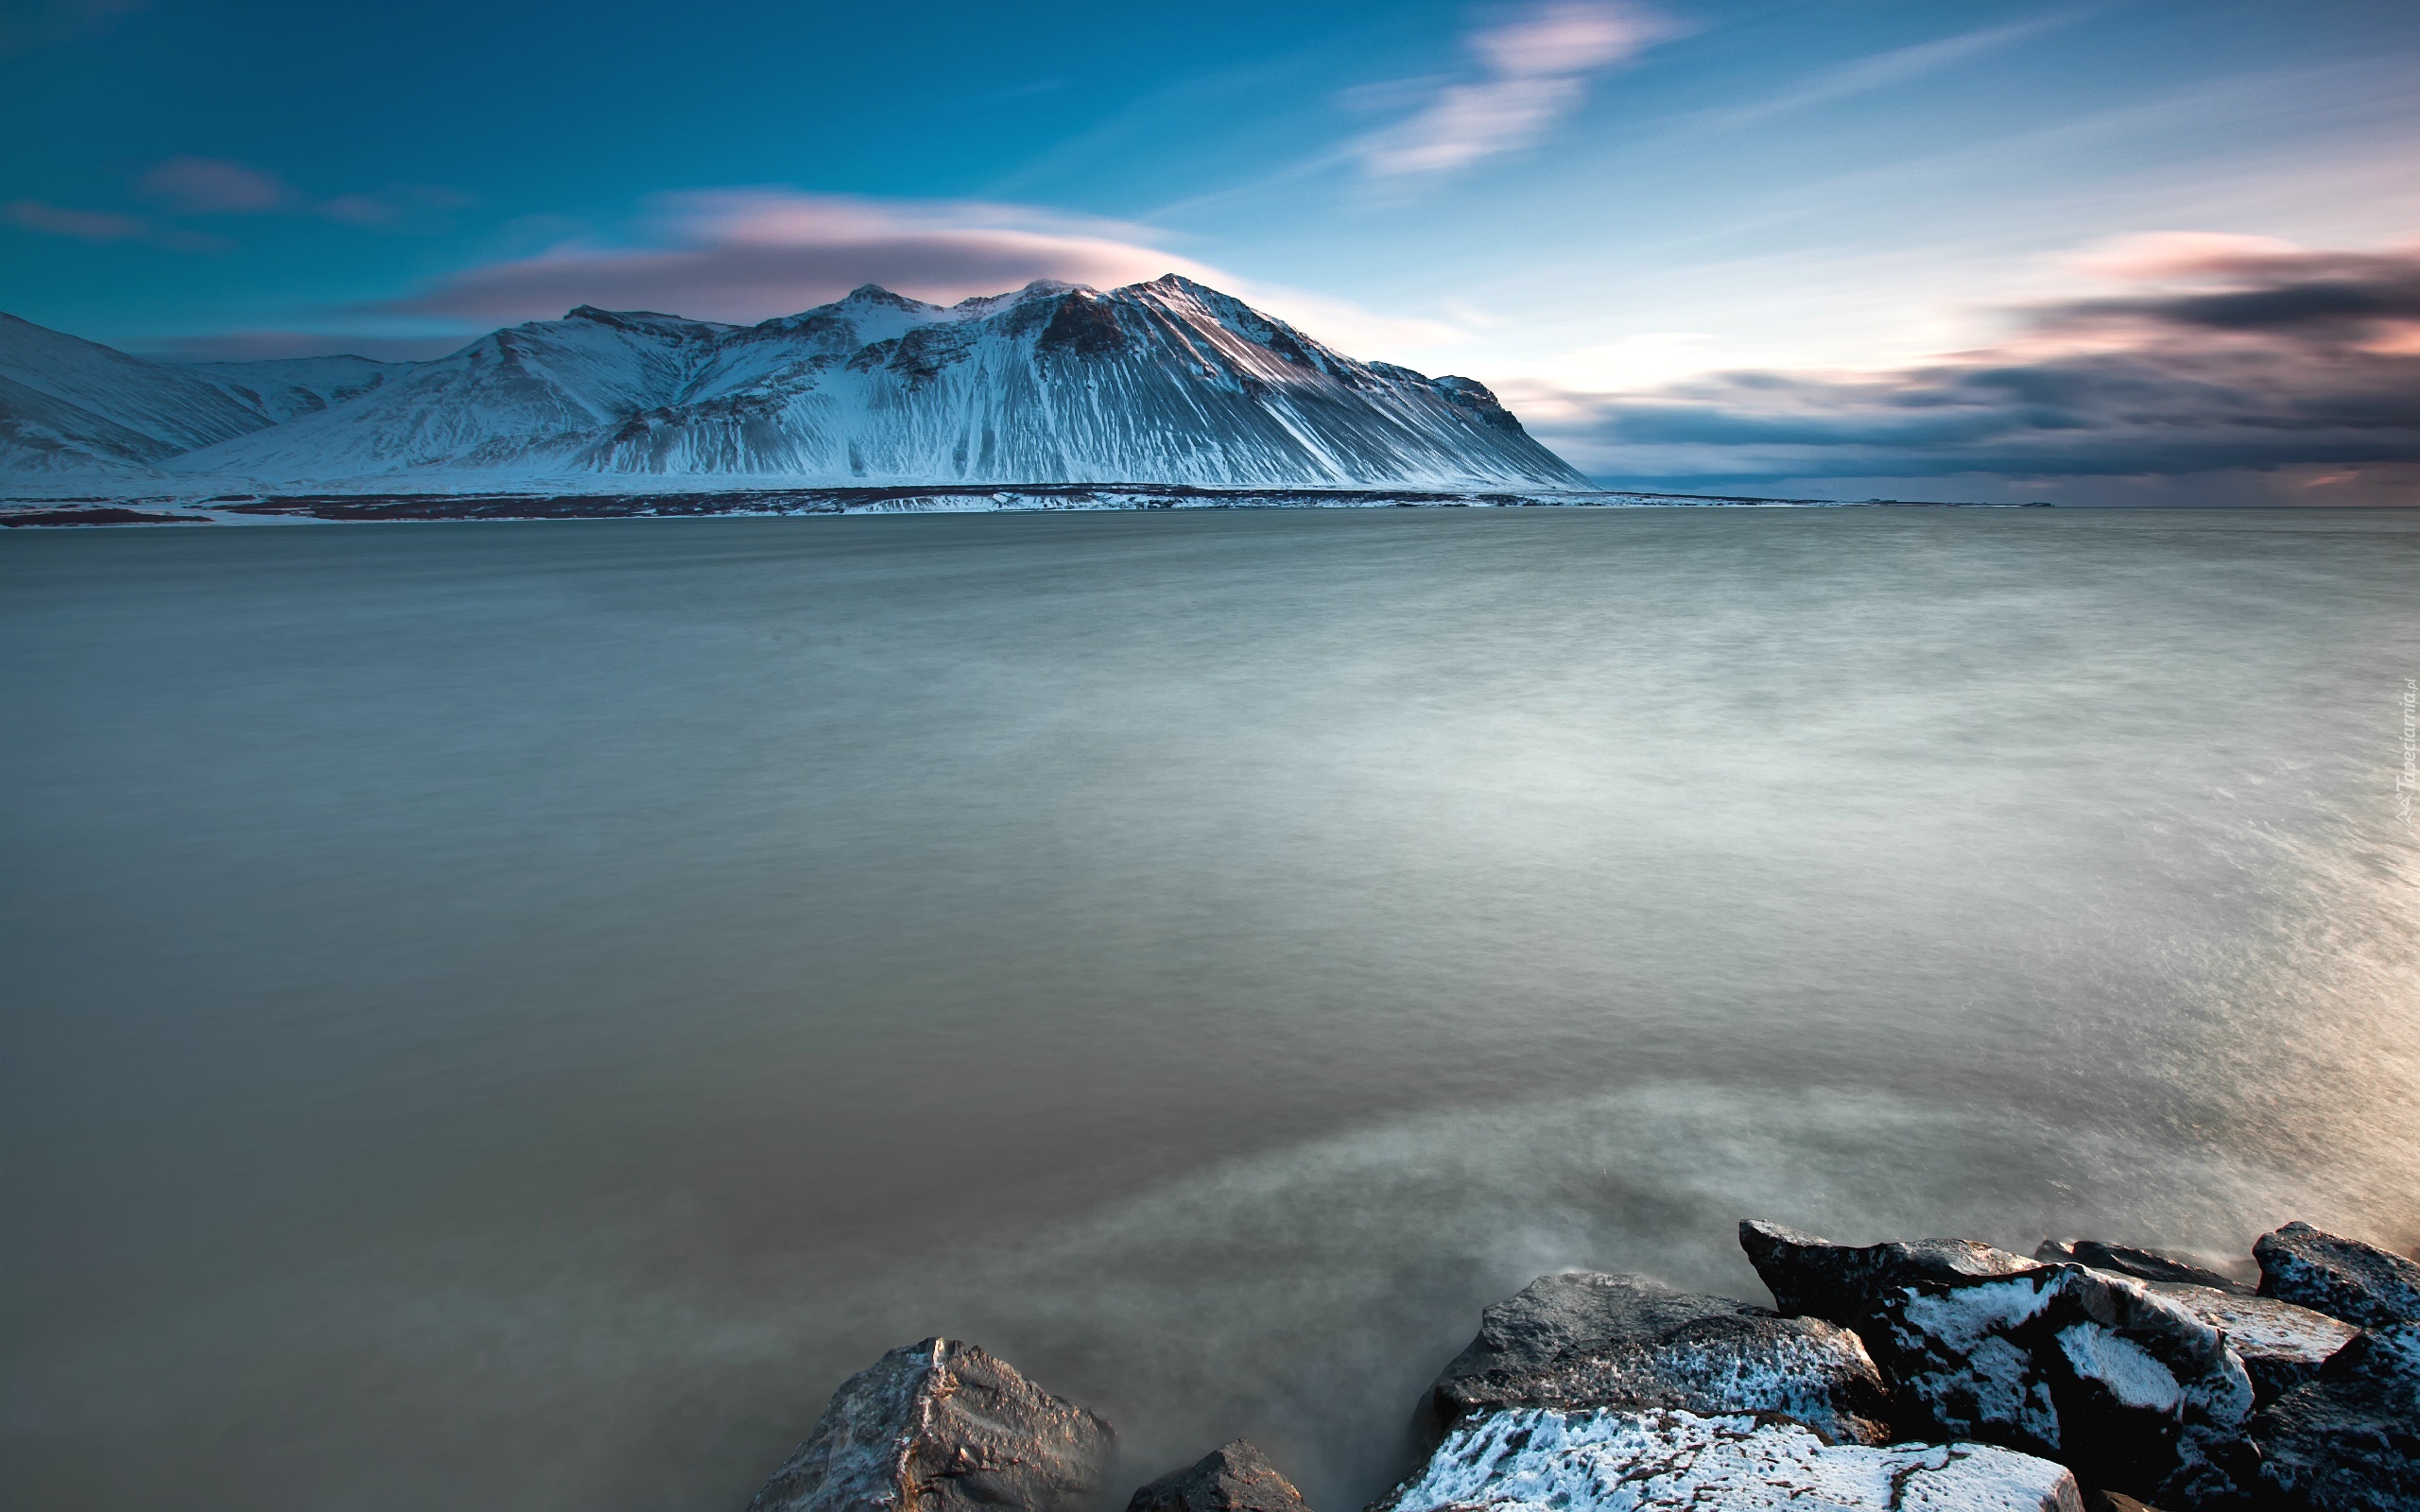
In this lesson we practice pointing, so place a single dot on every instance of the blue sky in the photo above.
(1720, 245)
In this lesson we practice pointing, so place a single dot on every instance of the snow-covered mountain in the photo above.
(1165, 382)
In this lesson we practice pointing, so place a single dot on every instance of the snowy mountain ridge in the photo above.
(1163, 381)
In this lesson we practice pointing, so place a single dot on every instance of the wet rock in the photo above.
(2350, 1440)
(2142, 1264)
(2281, 1346)
(2096, 1370)
(942, 1426)
(1586, 1339)
(1231, 1478)
(1545, 1460)
(2342, 1278)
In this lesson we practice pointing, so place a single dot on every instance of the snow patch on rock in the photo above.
(1541, 1460)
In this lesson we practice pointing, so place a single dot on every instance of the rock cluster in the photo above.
(1935, 1375)
(2091, 1368)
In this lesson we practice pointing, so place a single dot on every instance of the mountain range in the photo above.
(1163, 381)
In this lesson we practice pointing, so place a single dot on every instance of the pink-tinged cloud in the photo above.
(83, 225)
(397, 207)
(215, 187)
(2227, 356)
(105, 226)
(1536, 67)
(749, 255)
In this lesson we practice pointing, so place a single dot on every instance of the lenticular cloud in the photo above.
(748, 255)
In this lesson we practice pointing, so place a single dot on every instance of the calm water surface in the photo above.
(508, 1015)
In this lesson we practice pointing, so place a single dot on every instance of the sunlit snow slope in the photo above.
(1165, 382)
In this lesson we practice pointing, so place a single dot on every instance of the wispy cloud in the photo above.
(105, 226)
(1533, 70)
(1878, 71)
(186, 185)
(30, 23)
(189, 185)
(2217, 354)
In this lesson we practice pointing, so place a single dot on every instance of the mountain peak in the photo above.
(877, 294)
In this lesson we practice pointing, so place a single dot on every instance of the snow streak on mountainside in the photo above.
(68, 406)
(283, 389)
(1165, 382)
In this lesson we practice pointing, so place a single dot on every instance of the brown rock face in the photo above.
(942, 1426)
(1231, 1478)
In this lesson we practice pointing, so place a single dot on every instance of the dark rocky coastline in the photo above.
(1938, 1373)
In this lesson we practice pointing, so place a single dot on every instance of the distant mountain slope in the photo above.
(1165, 382)
(70, 405)
(285, 389)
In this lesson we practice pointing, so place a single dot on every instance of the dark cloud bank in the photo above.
(2236, 377)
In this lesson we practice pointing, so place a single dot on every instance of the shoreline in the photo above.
(357, 508)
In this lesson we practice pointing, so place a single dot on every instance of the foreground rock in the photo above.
(1586, 1339)
(1535, 1460)
(2142, 1264)
(1234, 1477)
(2129, 1388)
(2342, 1278)
(2349, 1441)
(942, 1426)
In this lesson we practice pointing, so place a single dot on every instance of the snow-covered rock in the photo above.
(1235, 1477)
(1587, 1339)
(2142, 1264)
(2342, 1278)
(2096, 1370)
(1166, 382)
(1813, 1275)
(2350, 1440)
(1542, 1460)
(942, 1426)
(2281, 1346)
(71, 406)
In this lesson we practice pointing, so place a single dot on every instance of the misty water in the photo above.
(511, 1015)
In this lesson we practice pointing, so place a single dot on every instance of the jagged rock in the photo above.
(1544, 1460)
(1586, 1339)
(2342, 1278)
(2142, 1264)
(1231, 1478)
(2281, 1346)
(1806, 1274)
(2127, 1386)
(942, 1426)
(2349, 1441)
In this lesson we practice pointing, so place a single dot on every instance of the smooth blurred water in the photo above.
(508, 1015)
